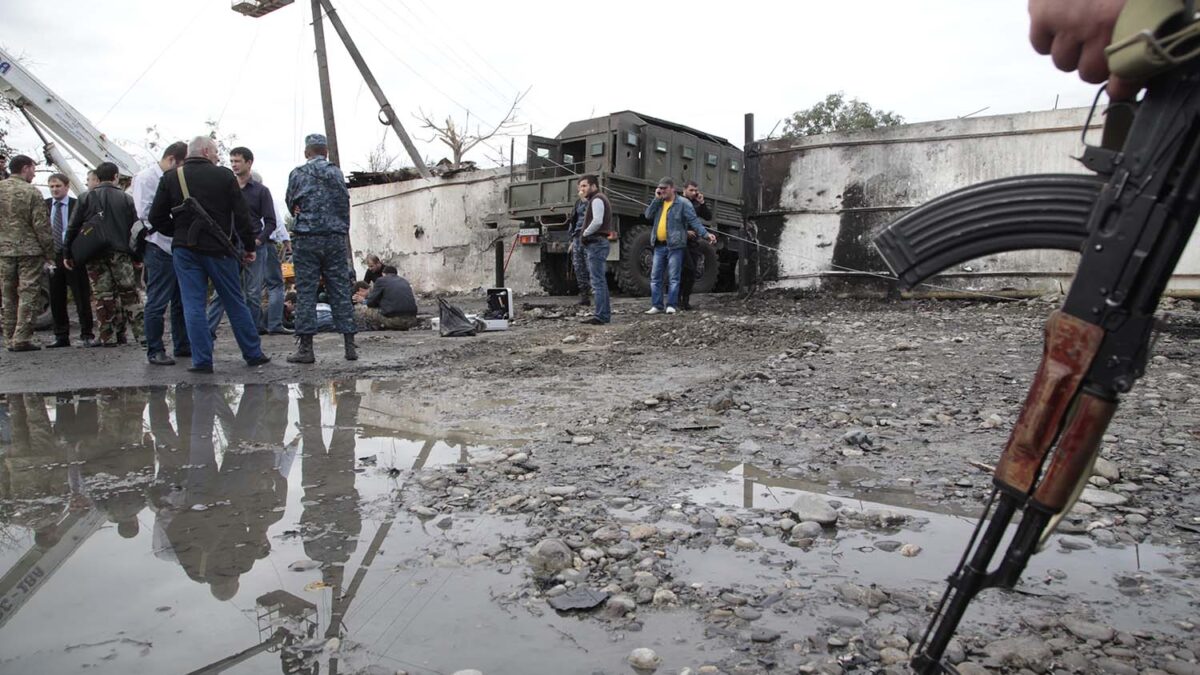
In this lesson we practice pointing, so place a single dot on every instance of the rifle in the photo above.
(201, 219)
(1131, 222)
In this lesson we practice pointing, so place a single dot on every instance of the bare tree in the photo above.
(380, 160)
(460, 140)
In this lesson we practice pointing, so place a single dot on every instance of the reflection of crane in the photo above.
(51, 117)
(35, 568)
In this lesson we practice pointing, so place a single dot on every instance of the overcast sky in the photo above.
(134, 64)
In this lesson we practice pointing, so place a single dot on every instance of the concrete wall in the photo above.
(434, 231)
(823, 197)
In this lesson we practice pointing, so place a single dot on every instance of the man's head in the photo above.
(665, 189)
(315, 144)
(106, 172)
(59, 184)
(691, 190)
(204, 147)
(23, 167)
(240, 160)
(388, 269)
(92, 180)
(589, 185)
(373, 262)
(361, 288)
(173, 156)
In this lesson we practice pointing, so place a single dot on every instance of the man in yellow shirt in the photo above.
(671, 219)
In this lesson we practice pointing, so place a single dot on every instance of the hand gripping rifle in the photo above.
(1131, 222)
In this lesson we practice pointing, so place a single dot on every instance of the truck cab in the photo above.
(629, 152)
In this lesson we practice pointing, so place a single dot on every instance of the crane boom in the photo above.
(59, 118)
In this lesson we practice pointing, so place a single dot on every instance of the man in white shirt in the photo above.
(273, 279)
(161, 285)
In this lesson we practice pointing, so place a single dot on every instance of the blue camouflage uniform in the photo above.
(578, 258)
(319, 246)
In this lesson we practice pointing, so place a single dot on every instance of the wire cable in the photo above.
(154, 62)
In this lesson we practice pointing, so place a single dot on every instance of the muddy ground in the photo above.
(773, 485)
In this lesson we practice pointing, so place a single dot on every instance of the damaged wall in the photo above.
(434, 231)
(823, 197)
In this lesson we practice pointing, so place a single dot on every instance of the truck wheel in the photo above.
(712, 269)
(637, 256)
(553, 274)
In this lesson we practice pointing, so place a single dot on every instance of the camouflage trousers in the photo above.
(116, 300)
(316, 257)
(369, 318)
(21, 284)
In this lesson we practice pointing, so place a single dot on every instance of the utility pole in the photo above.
(386, 114)
(323, 74)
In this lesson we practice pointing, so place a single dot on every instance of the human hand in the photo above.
(1074, 33)
(296, 210)
(691, 234)
(699, 197)
(287, 247)
(712, 238)
(68, 263)
(248, 257)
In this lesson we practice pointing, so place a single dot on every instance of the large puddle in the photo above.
(234, 529)
(1139, 587)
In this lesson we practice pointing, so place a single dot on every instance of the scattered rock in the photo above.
(583, 440)
(561, 490)
(578, 598)
(807, 530)
(1021, 652)
(1106, 470)
(644, 660)
(665, 597)
(642, 531)
(1102, 498)
(549, 557)
(571, 339)
(814, 508)
(910, 550)
(1087, 630)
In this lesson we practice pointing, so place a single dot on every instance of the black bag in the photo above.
(90, 241)
(452, 322)
(137, 239)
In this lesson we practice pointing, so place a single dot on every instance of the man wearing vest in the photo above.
(597, 224)
(670, 218)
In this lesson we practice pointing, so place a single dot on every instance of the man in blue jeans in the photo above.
(201, 205)
(262, 219)
(670, 219)
(161, 286)
(597, 224)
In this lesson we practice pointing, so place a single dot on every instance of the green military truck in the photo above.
(630, 152)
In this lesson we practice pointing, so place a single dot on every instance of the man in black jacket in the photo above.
(693, 260)
(62, 207)
(203, 230)
(109, 214)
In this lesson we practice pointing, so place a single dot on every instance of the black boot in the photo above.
(304, 350)
(351, 349)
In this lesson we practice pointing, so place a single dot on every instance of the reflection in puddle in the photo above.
(1142, 584)
(207, 528)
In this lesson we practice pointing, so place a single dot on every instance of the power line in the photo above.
(238, 80)
(154, 62)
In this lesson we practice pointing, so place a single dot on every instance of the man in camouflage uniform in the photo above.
(318, 198)
(116, 298)
(25, 246)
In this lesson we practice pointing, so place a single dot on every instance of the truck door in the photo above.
(544, 158)
(657, 155)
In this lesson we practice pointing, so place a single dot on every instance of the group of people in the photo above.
(186, 223)
(676, 230)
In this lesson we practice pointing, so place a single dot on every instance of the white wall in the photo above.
(454, 252)
(908, 165)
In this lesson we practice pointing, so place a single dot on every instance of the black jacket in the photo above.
(393, 296)
(119, 215)
(217, 190)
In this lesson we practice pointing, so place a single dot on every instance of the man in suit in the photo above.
(62, 207)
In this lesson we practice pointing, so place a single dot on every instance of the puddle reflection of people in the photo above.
(171, 448)
(118, 459)
(220, 528)
(34, 478)
(331, 521)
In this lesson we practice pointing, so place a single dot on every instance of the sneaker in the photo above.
(594, 321)
(207, 370)
(160, 359)
(59, 343)
(24, 347)
(260, 361)
(653, 310)
(670, 310)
